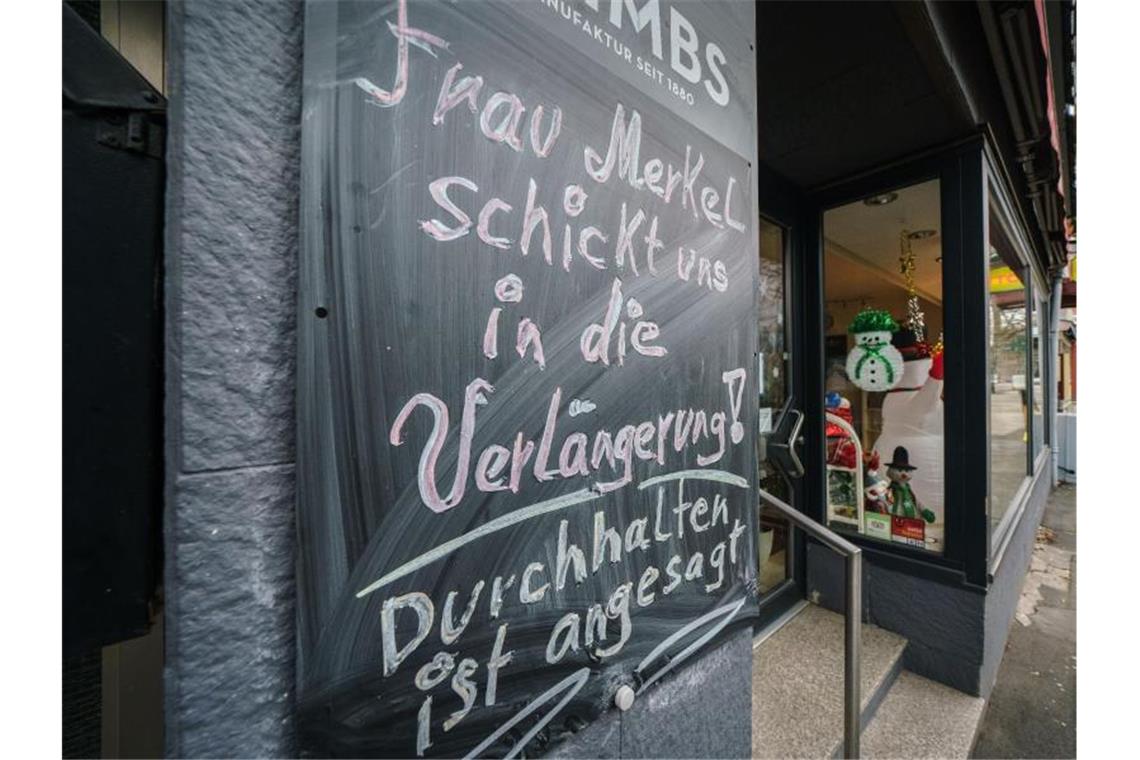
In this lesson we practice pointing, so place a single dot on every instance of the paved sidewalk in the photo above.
(1032, 711)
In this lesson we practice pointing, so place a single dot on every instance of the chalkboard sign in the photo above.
(527, 341)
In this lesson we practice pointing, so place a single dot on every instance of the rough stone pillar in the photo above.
(231, 260)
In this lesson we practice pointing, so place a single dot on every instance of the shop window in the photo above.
(883, 367)
(1010, 335)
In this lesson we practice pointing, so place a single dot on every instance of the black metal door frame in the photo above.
(784, 204)
(959, 168)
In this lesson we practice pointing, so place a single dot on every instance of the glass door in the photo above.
(777, 540)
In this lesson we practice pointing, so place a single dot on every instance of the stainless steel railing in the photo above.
(852, 650)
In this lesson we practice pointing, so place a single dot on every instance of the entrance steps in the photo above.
(797, 696)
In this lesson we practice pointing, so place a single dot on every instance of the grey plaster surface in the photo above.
(1032, 710)
(797, 683)
(600, 739)
(922, 719)
(701, 711)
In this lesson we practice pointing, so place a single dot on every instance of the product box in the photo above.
(877, 525)
(908, 530)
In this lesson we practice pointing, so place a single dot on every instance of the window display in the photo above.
(913, 433)
(884, 368)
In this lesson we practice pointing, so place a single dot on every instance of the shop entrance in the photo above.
(830, 445)
(781, 468)
(777, 550)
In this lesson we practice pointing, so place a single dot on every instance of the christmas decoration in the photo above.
(844, 465)
(913, 419)
(909, 345)
(937, 362)
(908, 530)
(903, 501)
(875, 486)
(874, 364)
(840, 407)
(842, 495)
(842, 452)
(877, 525)
(915, 319)
(876, 499)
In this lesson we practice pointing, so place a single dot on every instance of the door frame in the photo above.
(784, 204)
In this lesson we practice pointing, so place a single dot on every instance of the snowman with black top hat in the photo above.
(902, 499)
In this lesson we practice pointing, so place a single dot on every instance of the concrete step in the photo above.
(797, 684)
(920, 718)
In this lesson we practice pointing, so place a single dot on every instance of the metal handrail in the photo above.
(852, 653)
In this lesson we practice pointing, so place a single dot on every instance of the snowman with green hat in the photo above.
(874, 364)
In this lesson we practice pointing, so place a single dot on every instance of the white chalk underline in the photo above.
(534, 510)
(507, 520)
(719, 476)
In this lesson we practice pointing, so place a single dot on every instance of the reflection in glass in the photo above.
(1037, 360)
(772, 374)
(1009, 387)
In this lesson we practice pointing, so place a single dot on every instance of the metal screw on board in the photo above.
(624, 698)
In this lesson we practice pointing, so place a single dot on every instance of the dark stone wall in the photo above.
(1005, 589)
(942, 624)
(231, 262)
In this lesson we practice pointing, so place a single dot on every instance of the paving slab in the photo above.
(797, 683)
(921, 718)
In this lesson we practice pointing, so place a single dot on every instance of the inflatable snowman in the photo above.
(913, 420)
(874, 364)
